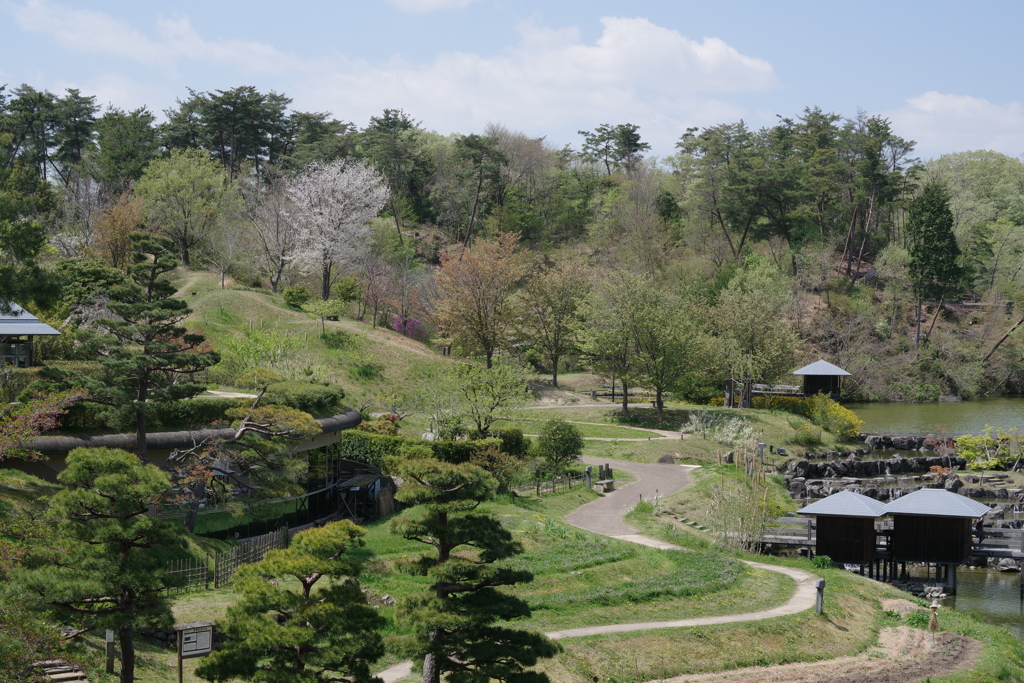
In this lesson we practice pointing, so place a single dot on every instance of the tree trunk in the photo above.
(659, 405)
(431, 666)
(625, 396)
(554, 372)
(184, 256)
(140, 429)
(192, 513)
(490, 358)
(325, 284)
(126, 635)
(917, 334)
(938, 309)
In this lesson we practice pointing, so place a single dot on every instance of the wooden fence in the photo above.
(218, 569)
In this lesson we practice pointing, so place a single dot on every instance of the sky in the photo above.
(946, 74)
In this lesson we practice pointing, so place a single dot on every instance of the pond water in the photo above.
(966, 417)
(993, 595)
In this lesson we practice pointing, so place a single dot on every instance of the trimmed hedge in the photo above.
(374, 449)
(316, 399)
(14, 381)
(159, 416)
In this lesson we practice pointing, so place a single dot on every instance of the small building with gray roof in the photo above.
(17, 329)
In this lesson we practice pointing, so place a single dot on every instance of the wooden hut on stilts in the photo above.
(846, 532)
(934, 526)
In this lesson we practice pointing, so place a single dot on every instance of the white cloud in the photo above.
(176, 39)
(551, 82)
(429, 5)
(942, 123)
(635, 71)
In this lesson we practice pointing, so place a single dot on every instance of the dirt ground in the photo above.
(903, 655)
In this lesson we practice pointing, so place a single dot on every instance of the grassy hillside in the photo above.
(370, 363)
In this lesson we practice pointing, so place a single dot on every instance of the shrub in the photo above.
(345, 288)
(506, 468)
(375, 449)
(560, 443)
(315, 399)
(296, 296)
(364, 371)
(831, 416)
(385, 424)
(336, 339)
(821, 561)
(258, 378)
(807, 435)
(194, 412)
(513, 442)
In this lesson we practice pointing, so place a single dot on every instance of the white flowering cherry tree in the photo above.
(334, 203)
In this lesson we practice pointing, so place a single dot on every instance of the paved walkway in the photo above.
(604, 516)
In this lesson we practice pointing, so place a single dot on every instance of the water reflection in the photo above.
(967, 417)
(993, 596)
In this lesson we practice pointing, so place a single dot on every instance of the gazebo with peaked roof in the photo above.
(846, 526)
(822, 377)
(17, 328)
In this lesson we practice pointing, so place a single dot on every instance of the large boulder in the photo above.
(953, 483)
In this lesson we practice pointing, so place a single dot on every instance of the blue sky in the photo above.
(945, 73)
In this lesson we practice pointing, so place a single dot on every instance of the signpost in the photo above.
(194, 640)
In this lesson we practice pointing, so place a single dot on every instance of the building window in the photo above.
(14, 352)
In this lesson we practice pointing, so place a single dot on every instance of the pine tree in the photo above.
(145, 353)
(108, 569)
(454, 626)
(279, 632)
(936, 264)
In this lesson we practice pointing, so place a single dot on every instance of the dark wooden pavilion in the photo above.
(846, 527)
(934, 526)
(822, 377)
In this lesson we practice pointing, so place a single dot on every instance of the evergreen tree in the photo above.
(145, 353)
(936, 264)
(108, 568)
(278, 632)
(454, 626)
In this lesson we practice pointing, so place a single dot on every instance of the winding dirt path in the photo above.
(903, 655)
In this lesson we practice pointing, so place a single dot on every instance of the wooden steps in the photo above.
(60, 670)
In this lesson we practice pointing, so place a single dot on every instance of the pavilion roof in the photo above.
(821, 367)
(19, 322)
(845, 504)
(936, 503)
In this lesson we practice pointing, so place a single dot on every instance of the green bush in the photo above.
(374, 449)
(296, 296)
(14, 381)
(258, 377)
(316, 399)
(336, 339)
(188, 413)
(560, 443)
(821, 561)
(832, 417)
(807, 435)
(513, 442)
(368, 448)
(457, 452)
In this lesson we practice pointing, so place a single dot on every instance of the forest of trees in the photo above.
(742, 254)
